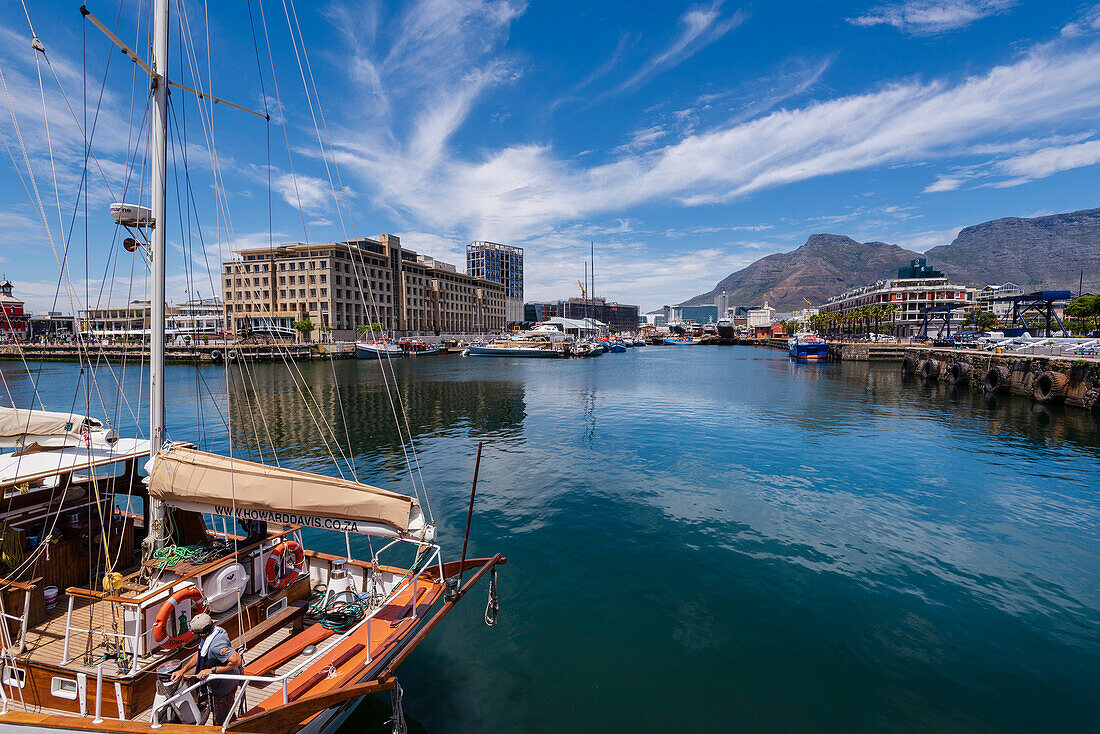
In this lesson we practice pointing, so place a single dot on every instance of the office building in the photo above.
(619, 316)
(500, 264)
(339, 286)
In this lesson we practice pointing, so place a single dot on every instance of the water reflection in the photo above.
(819, 547)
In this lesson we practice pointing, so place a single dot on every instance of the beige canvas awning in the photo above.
(43, 425)
(185, 477)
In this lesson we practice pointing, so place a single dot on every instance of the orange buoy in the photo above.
(274, 561)
(167, 613)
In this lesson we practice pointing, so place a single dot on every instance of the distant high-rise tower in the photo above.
(501, 264)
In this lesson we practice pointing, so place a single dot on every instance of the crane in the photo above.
(583, 293)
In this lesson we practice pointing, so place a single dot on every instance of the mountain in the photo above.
(826, 265)
(1038, 253)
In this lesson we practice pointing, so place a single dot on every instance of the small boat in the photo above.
(585, 349)
(417, 348)
(639, 342)
(616, 347)
(377, 350)
(680, 341)
(807, 345)
(535, 343)
(510, 349)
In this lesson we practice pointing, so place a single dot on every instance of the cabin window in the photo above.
(63, 688)
(276, 608)
(14, 676)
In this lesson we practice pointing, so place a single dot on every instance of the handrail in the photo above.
(21, 585)
(205, 568)
(321, 652)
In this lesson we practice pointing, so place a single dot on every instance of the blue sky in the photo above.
(685, 140)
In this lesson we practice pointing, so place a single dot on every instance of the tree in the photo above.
(304, 327)
(1084, 308)
(361, 328)
(981, 320)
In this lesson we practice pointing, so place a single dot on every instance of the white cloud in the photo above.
(1087, 22)
(307, 192)
(945, 183)
(1048, 161)
(699, 27)
(523, 190)
(928, 17)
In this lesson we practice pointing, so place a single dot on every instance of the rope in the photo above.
(398, 718)
(492, 607)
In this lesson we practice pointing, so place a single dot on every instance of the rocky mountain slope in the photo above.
(1047, 252)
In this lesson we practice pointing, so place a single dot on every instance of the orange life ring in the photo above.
(167, 613)
(274, 561)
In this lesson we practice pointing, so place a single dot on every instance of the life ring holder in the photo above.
(276, 581)
(167, 613)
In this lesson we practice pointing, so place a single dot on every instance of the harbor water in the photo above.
(701, 539)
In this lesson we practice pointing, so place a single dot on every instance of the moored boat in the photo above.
(158, 607)
(378, 349)
(807, 345)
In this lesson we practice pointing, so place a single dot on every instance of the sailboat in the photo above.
(87, 652)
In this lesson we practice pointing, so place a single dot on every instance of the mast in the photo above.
(160, 220)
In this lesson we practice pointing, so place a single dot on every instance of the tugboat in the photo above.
(807, 345)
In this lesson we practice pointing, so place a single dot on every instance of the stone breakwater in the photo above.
(1047, 380)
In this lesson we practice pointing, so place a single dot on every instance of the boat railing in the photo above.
(137, 642)
(22, 619)
(435, 559)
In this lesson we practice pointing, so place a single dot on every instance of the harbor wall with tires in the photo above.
(1046, 380)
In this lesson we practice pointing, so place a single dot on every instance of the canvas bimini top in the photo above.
(185, 477)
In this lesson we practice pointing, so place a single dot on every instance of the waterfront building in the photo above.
(51, 325)
(199, 317)
(917, 286)
(656, 318)
(339, 286)
(705, 314)
(760, 316)
(119, 322)
(616, 315)
(13, 322)
(986, 299)
(501, 264)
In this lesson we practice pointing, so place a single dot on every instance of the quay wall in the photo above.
(1045, 379)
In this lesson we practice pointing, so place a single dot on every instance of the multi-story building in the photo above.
(986, 299)
(501, 264)
(705, 314)
(617, 315)
(722, 303)
(339, 286)
(918, 286)
(760, 316)
(196, 318)
(120, 322)
(13, 322)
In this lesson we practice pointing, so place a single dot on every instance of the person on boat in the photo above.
(215, 655)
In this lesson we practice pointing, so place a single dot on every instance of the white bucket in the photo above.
(51, 597)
